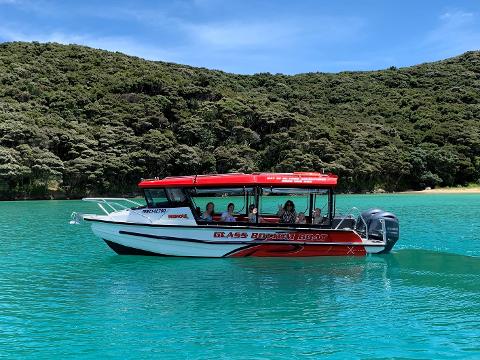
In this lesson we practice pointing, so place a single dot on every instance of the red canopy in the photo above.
(296, 179)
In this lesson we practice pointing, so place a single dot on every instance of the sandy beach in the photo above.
(466, 190)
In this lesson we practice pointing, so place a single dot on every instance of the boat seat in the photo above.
(275, 220)
(238, 218)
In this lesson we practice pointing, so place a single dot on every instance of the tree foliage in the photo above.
(85, 121)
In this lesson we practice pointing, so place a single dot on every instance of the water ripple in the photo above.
(63, 293)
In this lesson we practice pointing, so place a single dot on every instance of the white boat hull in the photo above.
(231, 241)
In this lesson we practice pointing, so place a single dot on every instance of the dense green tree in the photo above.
(83, 121)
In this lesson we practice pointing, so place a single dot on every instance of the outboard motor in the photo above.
(372, 219)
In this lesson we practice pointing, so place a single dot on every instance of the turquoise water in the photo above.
(64, 294)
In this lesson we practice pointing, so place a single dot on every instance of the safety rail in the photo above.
(108, 206)
(350, 215)
(111, 203)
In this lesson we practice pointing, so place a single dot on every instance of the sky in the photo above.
(246, 37)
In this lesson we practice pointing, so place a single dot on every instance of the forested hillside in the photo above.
(80, 121)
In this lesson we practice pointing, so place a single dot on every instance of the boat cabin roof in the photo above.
(296, 179)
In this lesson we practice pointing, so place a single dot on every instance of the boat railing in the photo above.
(351, 214)
(112, 204)
(106, 204)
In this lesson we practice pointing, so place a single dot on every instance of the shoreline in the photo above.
(439, 191)
(466, 190)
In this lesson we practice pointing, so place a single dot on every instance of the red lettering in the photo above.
(178, 216)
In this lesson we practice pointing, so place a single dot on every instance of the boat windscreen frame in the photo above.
(327, 223)
(249, 193)
(243, 190)
(247, 196)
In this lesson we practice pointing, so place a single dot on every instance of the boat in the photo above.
(177, 218)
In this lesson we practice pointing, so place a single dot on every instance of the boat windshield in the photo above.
(156, 198)
(310, 206)
(303, 206)
(221, 198)
(260, 205)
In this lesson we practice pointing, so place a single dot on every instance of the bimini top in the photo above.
(296, 179)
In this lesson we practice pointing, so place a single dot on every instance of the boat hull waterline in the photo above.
(194, 241)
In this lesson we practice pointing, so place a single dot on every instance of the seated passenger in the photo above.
(301, 219)
(287, 213)
(317, 218)
(208, 213)
(227, 216)
(253, 214)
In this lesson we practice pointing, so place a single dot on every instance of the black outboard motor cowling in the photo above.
(373, 223)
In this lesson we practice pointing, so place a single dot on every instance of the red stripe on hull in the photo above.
(293, 250)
